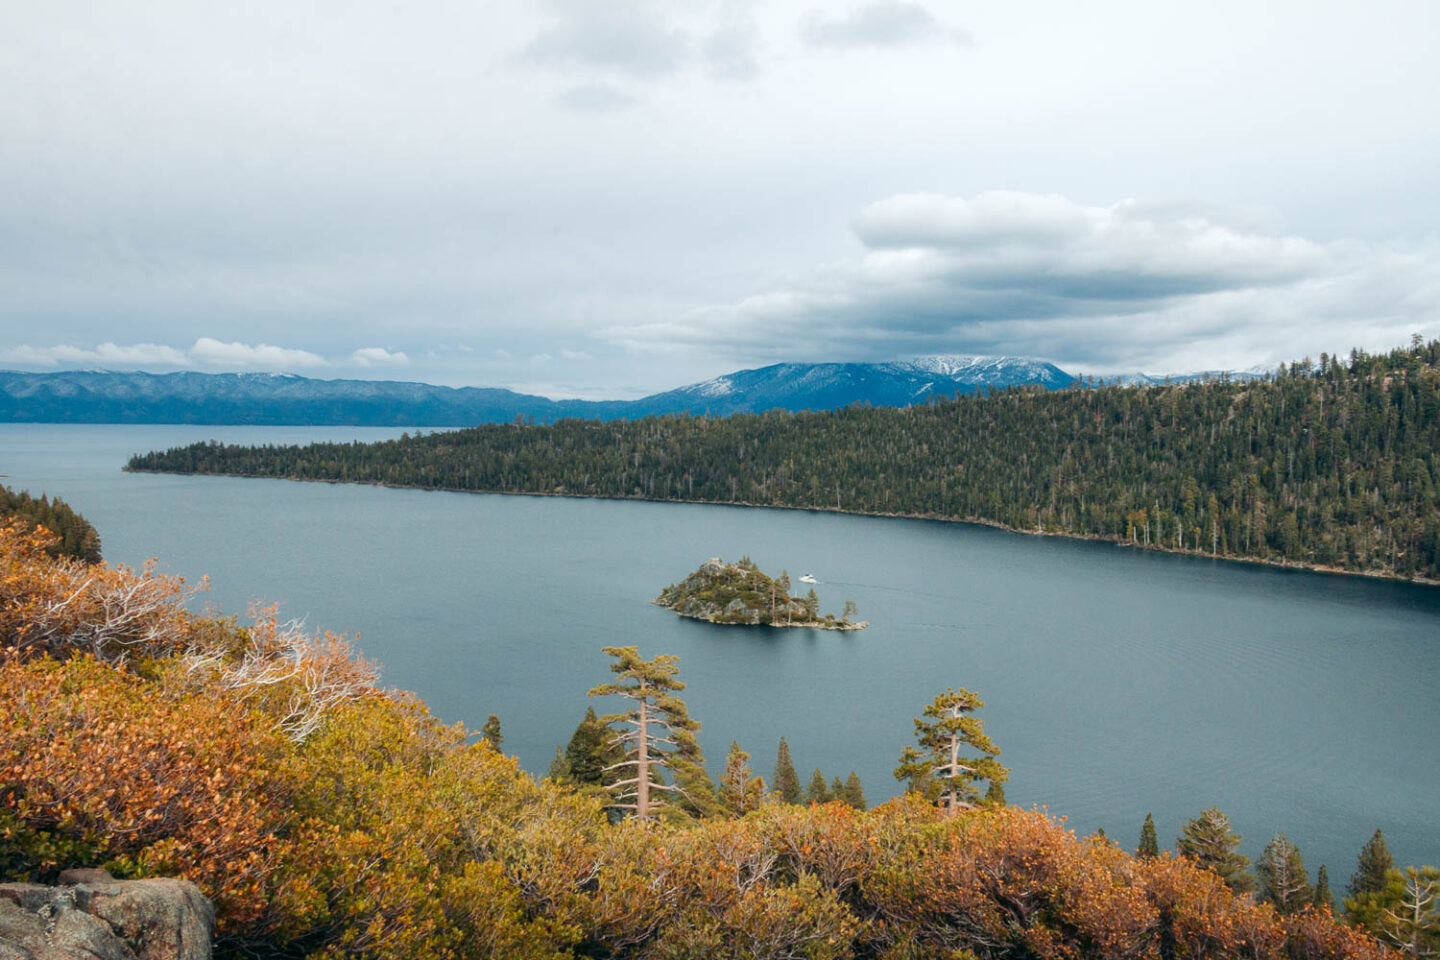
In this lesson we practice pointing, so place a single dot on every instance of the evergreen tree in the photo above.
(995, 795)
(818, 791)
(1372, 866)
(491, 732)
(936, 769)
(785, 781)
(1209, 841)
(559, 770)
(1405, 913)
(1282, 877)
(657, 734)
(1149, 843)
(837, 788)
(589, 751)
(1324, 899)
(852, 793)
(740, 790)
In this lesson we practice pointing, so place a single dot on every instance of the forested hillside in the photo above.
(74, 536)
(328, 818)
(1330, 465)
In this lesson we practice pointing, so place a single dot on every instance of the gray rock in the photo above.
(107, 920)
(167, 919)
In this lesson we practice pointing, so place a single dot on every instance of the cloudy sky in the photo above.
(610, 197)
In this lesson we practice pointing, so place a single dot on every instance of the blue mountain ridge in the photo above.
(91, 396)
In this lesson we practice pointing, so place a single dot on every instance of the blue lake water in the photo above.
(1117, 681)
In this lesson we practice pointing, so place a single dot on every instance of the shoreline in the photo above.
(973, 521)
(840, 625)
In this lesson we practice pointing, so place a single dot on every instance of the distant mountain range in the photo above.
(92, 396)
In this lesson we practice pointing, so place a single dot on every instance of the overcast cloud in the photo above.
(612, 197)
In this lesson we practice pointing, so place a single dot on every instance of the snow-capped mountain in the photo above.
(109, 397)
(826, 386)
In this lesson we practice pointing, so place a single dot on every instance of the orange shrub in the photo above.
(91, 760)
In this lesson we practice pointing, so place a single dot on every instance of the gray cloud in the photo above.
(596, 97)
(643, 41)
(624, 37)
(1115, 287)
(880, 23)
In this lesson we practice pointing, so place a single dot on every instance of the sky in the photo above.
(607, 198)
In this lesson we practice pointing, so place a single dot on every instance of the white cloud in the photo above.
(206, 352)
(105, 354)
(1123, 286)
(574, 355)
(216, 353)
(373, 356)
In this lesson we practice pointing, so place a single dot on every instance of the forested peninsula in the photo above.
(1331, 465)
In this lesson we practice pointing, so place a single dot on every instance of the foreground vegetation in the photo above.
(1332, 465)
(328, 818)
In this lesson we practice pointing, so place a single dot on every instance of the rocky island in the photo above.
(740, 593)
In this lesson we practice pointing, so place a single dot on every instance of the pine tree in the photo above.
(1324, 899)
(589, 752)
(852, 793)
(559, 770)
(1149, 843)
(661, 736)
(1371, 866)
(1405, 914)
(1209, 841)
(785, 781)
(818, 791)
(491, 732)
(995, 795)
(937, 769)
(740, 790)
(1283, 880)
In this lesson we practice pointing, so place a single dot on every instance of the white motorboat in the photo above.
(808, 579)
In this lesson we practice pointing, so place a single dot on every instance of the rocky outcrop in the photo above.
(92, 916)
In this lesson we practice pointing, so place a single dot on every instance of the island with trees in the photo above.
(741, 593)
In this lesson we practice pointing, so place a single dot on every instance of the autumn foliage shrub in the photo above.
(327, 819)
(95, 768)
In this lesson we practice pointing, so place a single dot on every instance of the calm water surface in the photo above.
(1117, 682)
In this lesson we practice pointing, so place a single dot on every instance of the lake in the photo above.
(1117, 681)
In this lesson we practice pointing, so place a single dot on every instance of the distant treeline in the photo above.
(1331, 464)
(74, 535)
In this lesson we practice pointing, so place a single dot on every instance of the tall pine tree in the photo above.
(657, 735)
(785, 781)
(740, 791)
(1371, 866)
(1149, 843)
(490, 732)
(1209, 841)
(936, 768)
(1283, 879)
(818, 791)
(1324, 899)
